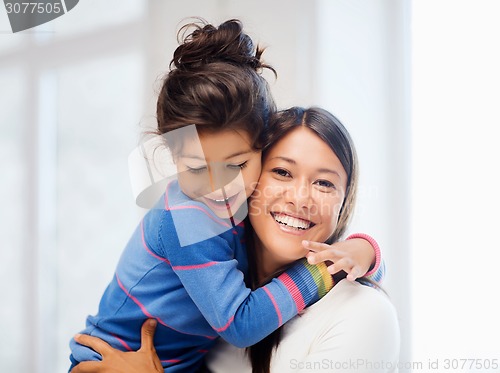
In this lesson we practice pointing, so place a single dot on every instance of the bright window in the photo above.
(70, 115)
(14, 201)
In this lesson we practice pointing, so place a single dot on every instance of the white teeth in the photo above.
(291, 221)
(221, 200)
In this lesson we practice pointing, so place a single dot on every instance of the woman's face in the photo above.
(299, 196)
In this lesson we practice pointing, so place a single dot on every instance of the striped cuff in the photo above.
(307, 283)
(378, 275)
(375, 246)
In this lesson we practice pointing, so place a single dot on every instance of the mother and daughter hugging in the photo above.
(247, 243)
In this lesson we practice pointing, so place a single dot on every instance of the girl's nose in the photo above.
(220, 175)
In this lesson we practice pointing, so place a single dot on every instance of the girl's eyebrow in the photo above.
(238, 153)
(319, 170)
(192, 156)
(241, 152)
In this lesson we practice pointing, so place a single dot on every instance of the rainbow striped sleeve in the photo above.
(306, 283)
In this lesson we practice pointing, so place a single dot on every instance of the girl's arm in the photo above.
(359, 255)
(376, 272)
(210, 274)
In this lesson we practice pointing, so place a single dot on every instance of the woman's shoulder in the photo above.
(364, 310)
(364, 295)
(349, 296)
(365, 318)
(353, 322)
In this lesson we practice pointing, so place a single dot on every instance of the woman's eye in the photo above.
(281, 172)
(325, 184)
(238, 166)
(196, 170)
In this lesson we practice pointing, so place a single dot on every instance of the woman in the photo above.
(306, 193)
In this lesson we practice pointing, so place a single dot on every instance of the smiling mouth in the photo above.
(292, 222)
(223, 203)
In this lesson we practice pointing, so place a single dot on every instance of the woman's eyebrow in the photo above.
(329, 171)
(289, 160)
(319, 170)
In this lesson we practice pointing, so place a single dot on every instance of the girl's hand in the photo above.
(354, 256)
(144, 360)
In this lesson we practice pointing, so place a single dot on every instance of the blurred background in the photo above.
(416, 83)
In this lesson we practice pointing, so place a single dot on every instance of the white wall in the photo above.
(456, 98)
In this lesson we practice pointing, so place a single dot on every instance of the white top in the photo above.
(354, 328)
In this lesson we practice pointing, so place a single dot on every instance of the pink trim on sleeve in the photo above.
(294, 291)
(375, 246)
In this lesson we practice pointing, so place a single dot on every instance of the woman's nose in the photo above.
(299, 194)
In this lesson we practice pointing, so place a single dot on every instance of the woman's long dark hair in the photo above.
(333, 133)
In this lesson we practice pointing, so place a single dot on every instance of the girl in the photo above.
(192, 284)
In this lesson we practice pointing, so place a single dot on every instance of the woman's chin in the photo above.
(288, 250)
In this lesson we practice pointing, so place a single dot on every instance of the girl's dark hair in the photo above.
(215, 82)
(333, 133)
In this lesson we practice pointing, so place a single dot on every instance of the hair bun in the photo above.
(208, 44)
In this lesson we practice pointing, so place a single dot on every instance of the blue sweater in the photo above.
(193, 287)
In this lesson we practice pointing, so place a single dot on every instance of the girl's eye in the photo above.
(238, 166)
(196, 170)
(281, 172)
(325, 184)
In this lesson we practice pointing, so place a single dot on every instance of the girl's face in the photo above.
(220, 169)
(299, 196)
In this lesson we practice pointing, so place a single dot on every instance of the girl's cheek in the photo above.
(251, 182)
(254, 207)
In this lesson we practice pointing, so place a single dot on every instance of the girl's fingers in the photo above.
(344, 264)
(332, 269)
(87, 367)
(95, 343)
(354, 273)
(147, 334)
(318, 257)
(315, 246)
